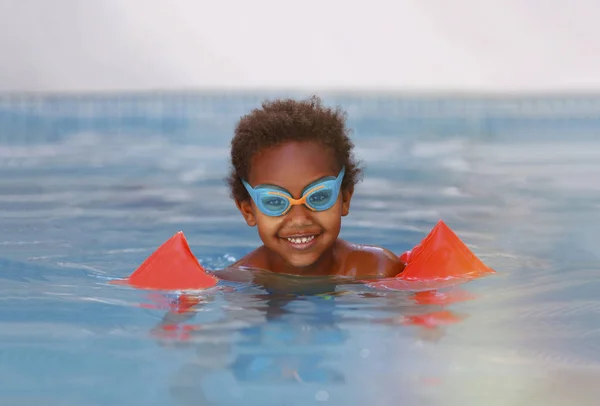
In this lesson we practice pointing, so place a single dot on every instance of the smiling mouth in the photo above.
(301, 242)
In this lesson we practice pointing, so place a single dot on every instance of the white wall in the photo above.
(489, 45)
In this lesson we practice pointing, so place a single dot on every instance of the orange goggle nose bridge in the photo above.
(297, 202)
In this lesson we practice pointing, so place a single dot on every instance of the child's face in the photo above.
(293, 166)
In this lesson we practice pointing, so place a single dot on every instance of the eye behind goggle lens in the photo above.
(320, 199)
(274, 204)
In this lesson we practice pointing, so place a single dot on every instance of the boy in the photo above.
(293, 175)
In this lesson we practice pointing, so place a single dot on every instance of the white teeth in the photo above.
(301, 240)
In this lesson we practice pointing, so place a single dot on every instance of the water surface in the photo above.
(91, 185)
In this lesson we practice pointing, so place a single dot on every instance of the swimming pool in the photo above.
(90, 185)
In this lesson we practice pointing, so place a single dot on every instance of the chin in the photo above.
(301, 262)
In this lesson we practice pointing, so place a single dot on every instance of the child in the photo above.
(293, 176)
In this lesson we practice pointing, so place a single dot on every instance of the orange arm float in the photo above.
(440, 259)
(171, 267)
(441, 255)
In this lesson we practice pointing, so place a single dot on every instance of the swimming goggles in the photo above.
(275, 201)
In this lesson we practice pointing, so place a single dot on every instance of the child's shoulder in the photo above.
(356, 260)
(368, 260)
(256, 259)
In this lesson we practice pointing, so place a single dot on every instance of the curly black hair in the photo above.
(283, 120)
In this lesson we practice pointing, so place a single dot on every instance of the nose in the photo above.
(299, 215)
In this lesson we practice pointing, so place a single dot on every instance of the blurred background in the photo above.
(407, 45)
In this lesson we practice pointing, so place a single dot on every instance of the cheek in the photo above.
(267, 226)
(332, 218)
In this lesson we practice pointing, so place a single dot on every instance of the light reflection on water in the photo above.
(90, 204)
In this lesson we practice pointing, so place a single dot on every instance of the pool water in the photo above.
(90, 185)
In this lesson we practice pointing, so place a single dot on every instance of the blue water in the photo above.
(90, 185)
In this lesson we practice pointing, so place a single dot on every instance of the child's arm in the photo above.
(372, 261)
(393, 265)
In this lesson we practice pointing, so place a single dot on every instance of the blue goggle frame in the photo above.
(274, 201)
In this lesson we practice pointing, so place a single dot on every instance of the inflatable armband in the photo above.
(171, 267)
(440, 259)
(441, 255)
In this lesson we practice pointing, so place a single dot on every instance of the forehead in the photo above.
(292, 165)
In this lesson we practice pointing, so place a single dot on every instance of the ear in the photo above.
(245, 207)
(346, 197)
